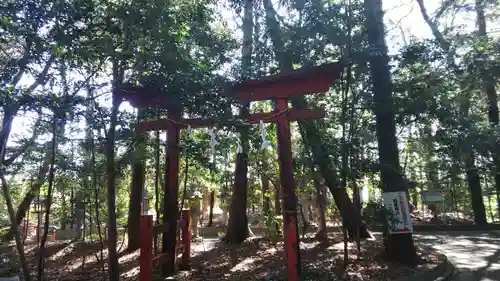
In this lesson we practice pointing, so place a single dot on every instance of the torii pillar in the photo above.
(280, 88)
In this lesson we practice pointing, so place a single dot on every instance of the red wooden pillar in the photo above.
(146, 252)
(171, 190)
(292, 251)
(53, 234)
(186, 240)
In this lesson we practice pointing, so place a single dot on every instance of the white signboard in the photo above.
(431, 197)
(397, 205)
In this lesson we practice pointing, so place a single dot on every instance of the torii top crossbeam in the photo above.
(298, 82)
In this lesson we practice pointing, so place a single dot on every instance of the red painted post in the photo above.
(53, 235)
(146, 252)
(171, 190)
(186, 240)
(292, 251)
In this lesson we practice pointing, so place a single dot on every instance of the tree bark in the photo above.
(48, 200)
(237, 230)
(267, 215)
(476, 193)
(211, 211)
(79, 214)
(399, 247)
(15, 227)
(320, 202)
(137, 189)
(312, 135)
(171, 188)
(114, 268)
(491, 93)
(157, 186)
(472, 175)
(24, 206)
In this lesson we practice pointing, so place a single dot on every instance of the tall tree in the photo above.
(237, 230)
(399, 247)
(465, 147)
(311, 133)
(489, 87)
(136, 187)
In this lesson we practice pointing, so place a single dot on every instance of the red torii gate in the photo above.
(276, 87)
(151, 97)
(280, 88)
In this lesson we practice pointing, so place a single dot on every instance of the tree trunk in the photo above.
(15, 227)
(64, 205)
(237, 230)
(171, 189)
(277, 203)
(9, 112)
(320, 202)
(266, 204)
(114, 268)
(136, 191)
(312, 134)
(491, 93)
(35, 188)
(157, 186)
(467, 153)
(79, 214)
(399, 247)
(223, 198)
(48, 200)
(476, 193)
(211, 211)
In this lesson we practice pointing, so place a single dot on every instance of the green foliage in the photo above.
(186, 49)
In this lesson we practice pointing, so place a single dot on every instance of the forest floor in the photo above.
(257, 259)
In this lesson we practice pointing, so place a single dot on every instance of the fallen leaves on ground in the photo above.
(263, 259)
(256, 259)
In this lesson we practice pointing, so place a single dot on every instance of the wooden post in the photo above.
(146, 252)
(292, 253)
(186, 241)
(53, 235)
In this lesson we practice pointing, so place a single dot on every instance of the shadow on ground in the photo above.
(261, 259)
(476, 255)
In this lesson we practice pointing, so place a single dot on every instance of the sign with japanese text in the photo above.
(431, 197)
(399, 218)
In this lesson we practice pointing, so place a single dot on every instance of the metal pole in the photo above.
(292, 242)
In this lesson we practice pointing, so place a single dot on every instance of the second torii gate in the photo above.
(280, 88)
(149, 97)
